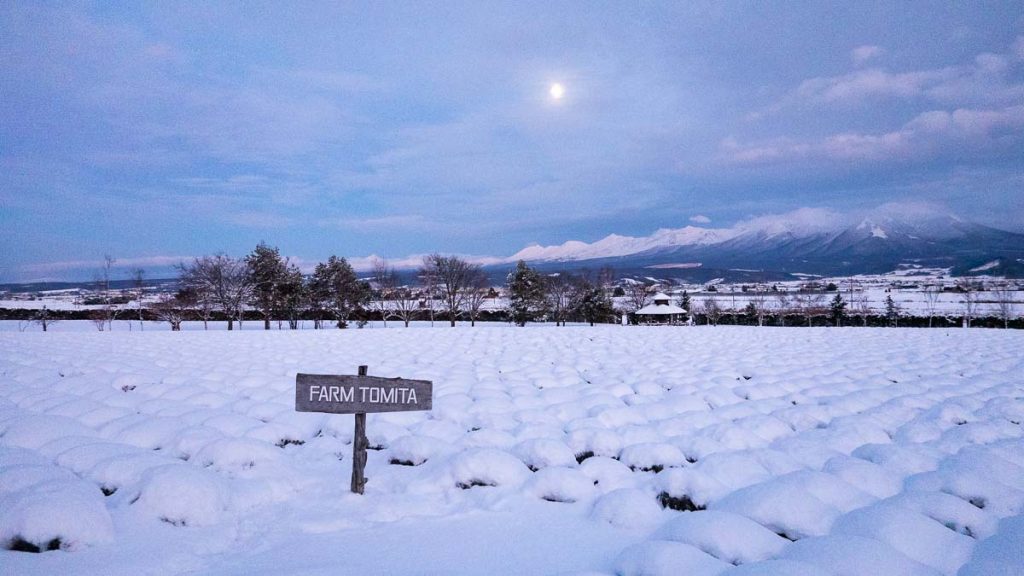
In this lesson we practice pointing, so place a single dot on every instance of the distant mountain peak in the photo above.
(815, 240)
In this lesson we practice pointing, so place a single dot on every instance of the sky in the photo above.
(159, 131)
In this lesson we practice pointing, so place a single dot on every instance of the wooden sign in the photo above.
(341, 394)
(337, 394)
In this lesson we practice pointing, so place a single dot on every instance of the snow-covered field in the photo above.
(811, 451)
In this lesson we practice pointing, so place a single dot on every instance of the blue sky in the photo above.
(154, 131)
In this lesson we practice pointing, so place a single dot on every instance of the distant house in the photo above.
(661, 311)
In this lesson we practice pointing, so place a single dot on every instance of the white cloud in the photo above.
(988, 80)
(962, 132)
(861, 54)
(700, 219)
(871, 83)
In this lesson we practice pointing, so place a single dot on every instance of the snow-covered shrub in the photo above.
(795, 505)
(543, 452)
(688, 489)
(729, 537)
(664, 558)
(915, 535)
(608, 474)
(487, 467)
(557, 484)
(33, 431)
(182, 495)
(20, 477)
(589, 442)
(65, 514)
(415, 450)
(854, 555)
(628, 508)
(236, 454)
(488, 438)
(652, 456)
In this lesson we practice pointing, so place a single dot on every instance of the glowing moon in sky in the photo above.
(557, 91)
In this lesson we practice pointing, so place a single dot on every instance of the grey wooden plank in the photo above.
(350, 394)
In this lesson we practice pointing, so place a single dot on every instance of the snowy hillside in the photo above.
(604, 450)
(811, 240)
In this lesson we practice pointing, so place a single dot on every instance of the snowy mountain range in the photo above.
(807, 241)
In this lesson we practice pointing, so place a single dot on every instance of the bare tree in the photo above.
(809, 304)
(860, 306)
(222, 279)
(477, 293)
(44, 318)
(782, 306)
(108, 313)
(1004, 304)
(968, 298)
(759, 304)
(637, 295)
(170, 309)
(931, 300)
(453, 277)
(712, 310)
(404, 305)
(385, 283)
(428, 290)
(138, 293)
(558, 293)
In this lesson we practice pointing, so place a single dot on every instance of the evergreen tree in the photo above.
(837, 309)
(334, 287)
(892, 311)
(291, 295)
(526, 294)
(267, 270)
(591, 302)
(684, 301)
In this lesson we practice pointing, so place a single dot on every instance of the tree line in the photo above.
(445, 287)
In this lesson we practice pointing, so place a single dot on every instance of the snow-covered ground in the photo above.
(549, 450)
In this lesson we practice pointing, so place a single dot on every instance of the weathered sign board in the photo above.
(337, 394)
(347, 394)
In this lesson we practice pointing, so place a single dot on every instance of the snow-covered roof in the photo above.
(660, 309)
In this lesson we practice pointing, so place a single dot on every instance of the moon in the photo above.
(557, 91)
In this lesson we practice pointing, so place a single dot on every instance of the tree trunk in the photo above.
(452, 321)
(266, 323)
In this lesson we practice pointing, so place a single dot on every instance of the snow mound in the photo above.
(487, 467)
(916, 536)
(652, 456)
(628, 508)
(65, 514)
(855, 556)
(182, 495)
(726, 536)
(237, 454)
(561, 485)
(415, 450)
(544, 452)
(662, 558)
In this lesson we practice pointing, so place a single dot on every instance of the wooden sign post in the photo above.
(347, 394)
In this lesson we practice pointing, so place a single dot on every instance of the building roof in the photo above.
(660, 309)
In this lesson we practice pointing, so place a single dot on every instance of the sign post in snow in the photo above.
(347, 394)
